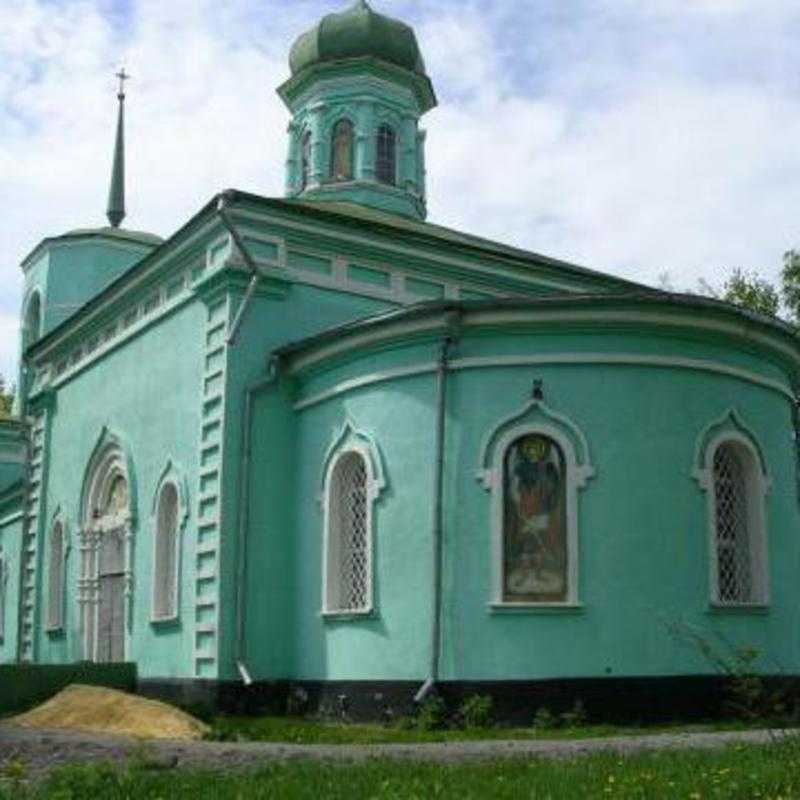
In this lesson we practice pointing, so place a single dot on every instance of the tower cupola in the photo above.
(357, 93)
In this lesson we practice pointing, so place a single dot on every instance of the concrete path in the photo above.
(41, 751)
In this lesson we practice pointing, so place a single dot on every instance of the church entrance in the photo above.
(111, 600)
(106, 576)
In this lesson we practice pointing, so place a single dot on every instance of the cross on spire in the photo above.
(123, 76)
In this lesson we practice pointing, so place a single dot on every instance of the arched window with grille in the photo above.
(56, 584)
(348, 585)
(305, 160)
(165, 568)
(738, 535)
(342, 151)
(386, 156)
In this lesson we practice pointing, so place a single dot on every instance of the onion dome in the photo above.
(358, 32)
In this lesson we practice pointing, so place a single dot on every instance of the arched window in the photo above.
(33, 321)
(305, 160)
(535, 550)
(738, 532)
(342, 151)
(386, 156)
(165, 569)
(56, 578)
(106, 582)
(348, 545)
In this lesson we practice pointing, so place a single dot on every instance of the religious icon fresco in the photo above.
(534, 522)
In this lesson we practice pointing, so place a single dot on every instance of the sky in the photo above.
(641, 137)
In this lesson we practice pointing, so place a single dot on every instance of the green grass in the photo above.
(296, 730)
(767, 772)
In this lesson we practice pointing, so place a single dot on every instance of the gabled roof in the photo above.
(380, 223)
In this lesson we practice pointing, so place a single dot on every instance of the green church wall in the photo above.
(394, 643)
(148, 393)
(643, 527)
(270, 321)
(10, 547)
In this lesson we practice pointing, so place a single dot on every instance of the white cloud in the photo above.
(635, 137)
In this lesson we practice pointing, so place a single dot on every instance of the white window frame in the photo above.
(57, 606)
(756, 489)
(171, 475)
(535, 418)
(730, 427)
(348, 441)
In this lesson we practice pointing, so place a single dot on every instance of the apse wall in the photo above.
(641, 395)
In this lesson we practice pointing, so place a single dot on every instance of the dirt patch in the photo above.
(98, 710)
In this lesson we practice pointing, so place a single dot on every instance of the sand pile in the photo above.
(98, 710)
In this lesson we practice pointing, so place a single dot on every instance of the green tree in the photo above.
(6, 399)
(790, 285)
(749, 290)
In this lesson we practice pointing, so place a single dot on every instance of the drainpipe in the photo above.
(255, 272)
(438, 506)
(244, 514)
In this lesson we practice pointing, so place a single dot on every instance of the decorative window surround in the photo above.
(349, 444)
(110, 461)
(171, 476)
(535, 418)
(57, 553)
(730, 430)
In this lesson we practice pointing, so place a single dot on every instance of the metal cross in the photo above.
(123, 76)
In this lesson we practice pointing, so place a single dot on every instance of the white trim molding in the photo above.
(3, 593)
(57, 593)
(731, 430)
(348, 441)
(172, 475)
(535, 417)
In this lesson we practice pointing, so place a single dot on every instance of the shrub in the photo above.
(544, 719)
(431, 715)
(575, 717)
(476, 712)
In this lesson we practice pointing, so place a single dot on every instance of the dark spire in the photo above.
(116, 194)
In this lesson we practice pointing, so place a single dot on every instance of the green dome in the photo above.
(356, 33)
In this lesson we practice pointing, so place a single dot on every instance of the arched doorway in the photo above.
(104, 591)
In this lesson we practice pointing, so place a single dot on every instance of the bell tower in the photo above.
(357, 93)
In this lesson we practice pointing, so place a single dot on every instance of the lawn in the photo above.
(767, 772)
(296, 730)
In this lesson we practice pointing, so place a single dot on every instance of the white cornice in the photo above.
(126, 286)
(407, 252)
(490, 362)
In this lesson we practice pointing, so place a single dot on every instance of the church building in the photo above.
(319, 447)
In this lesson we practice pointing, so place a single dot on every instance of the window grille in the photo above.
(735, 582)
(305, 160)
(55, 589)
(386, 161)
(165, 573)
(342, 151)
(349, 568)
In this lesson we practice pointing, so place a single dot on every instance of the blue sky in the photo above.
(637, 137)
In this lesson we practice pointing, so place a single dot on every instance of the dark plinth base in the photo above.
(618, 700)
